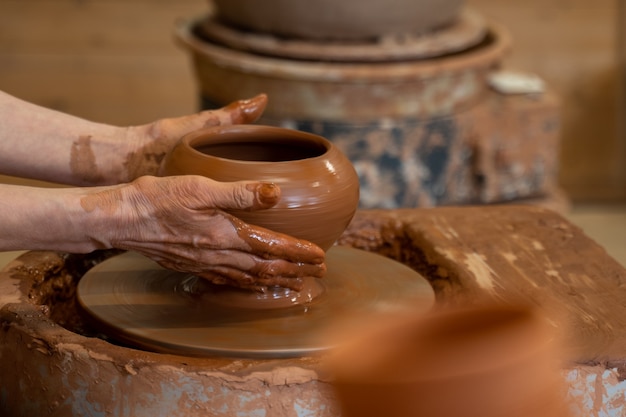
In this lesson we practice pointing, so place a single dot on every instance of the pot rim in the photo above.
(210, 135)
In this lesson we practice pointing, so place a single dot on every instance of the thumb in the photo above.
(245, 195)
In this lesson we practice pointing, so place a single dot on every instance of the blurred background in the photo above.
(116, 61)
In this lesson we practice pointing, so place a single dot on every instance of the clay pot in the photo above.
(482, 362)
(319, 186)
(332, 19)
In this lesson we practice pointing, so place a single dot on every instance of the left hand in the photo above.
(40, 143)
(151, 142)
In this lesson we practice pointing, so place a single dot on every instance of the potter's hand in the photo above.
(152, 141)
(40, 143)
(177, 222)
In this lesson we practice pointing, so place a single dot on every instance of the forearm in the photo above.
(39, 143)
(48, 219)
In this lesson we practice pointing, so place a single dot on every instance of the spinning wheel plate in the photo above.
(135, 301)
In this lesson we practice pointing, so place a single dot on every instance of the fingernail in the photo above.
(248, 110)
(268, 193)
(320, 262)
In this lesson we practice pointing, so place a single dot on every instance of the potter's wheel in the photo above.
(135, 301)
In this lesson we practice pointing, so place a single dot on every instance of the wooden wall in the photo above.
(116, 61)
(113, 61)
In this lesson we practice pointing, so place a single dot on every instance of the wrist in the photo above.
(42, 219)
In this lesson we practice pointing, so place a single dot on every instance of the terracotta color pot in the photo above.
(332, 19)
(480, 362)
(319, 186)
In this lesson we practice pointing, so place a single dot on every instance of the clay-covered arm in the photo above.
(40, 143)
(176, 221)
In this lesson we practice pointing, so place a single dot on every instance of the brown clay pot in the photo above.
(490, 361)
(332, 19)
(319, 186)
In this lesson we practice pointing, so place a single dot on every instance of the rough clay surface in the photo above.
(511, 253)
(520, 254)
(68, 374)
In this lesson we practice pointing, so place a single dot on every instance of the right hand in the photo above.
(179, 223)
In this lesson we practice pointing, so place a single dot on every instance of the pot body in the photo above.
(319, 186)
(331, 19)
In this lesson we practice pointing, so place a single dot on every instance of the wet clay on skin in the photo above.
(83, 161)
(229, 252)
(245, 111)
(147, 159)
(267, 195)
(108, 201)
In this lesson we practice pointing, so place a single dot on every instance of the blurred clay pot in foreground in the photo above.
(319, 186)
(332, 19)
(490, 361)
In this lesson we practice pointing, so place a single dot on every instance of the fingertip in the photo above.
(320, 258)
(248, 110)
(267, 194)
(312, 254)
(322, 270)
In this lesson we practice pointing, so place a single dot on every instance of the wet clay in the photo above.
(147, 159)
(244, 111)
(319, 186)
(273, 297)
(108, 201)
(83, 161)
(189, 234)
(268, 194)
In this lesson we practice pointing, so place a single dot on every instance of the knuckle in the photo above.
(241, 197)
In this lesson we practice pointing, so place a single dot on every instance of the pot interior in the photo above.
(278, 150)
